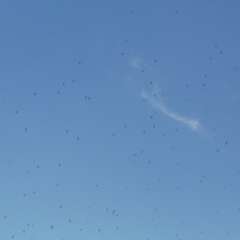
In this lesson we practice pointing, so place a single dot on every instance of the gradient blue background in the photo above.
(119, 120)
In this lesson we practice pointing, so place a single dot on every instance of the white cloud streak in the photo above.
(136, 62)
(193, 124)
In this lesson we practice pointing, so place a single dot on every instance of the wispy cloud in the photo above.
(136, 62)
(193, 124)
(190, 122)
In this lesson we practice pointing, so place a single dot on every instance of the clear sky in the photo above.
(120, 120)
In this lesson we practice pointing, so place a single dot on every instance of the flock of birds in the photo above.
(135, 160)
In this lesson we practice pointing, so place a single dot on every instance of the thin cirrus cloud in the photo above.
(136, 62)
(193, 124)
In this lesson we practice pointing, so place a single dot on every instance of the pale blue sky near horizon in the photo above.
(119, 120)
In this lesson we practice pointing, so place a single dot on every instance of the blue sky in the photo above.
(119, 120)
